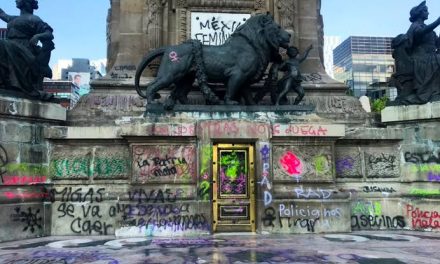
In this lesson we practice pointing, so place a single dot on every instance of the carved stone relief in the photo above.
(153, 22)
(287, 9)
(181, 3)
(287, 14)
(260, 4)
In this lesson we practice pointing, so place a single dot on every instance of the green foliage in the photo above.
(379, 104)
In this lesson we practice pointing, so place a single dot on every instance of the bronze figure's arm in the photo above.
(5, 17)
(429, 28)
(47, 35)
(304, 57)
(283, 66)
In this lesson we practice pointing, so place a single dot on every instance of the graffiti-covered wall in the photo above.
(160, 201)
(25, 208)
(156, 178)
(304, 198)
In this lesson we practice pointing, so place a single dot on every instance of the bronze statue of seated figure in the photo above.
(24, 63)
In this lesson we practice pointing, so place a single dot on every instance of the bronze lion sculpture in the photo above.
(238, 63)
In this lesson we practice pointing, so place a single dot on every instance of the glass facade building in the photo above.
(330, 43)
(363, 63)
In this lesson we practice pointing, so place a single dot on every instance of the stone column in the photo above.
(131, 34)
(310, 28)
(286, 13)
(113, 39)
(303, 19)
(153, 25)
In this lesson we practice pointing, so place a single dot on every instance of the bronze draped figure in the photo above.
(24, 63)
(417, 75)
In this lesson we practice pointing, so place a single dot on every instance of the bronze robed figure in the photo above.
(23, 63)
(417, 75)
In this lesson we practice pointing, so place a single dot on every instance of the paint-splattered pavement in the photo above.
(359, 247)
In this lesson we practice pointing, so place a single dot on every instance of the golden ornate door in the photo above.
(233, 188)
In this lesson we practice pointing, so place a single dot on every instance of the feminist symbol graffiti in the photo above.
(265, 151)
(173, 56)
(291, 164)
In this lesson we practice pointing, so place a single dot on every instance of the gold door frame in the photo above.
(222, 205)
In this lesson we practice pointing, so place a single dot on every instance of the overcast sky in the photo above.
(80, 25)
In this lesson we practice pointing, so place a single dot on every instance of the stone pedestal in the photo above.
(353, 176)
(412, 114)
(24, 166)
(420, 161)
(114, 101)
(121, 167)
(113, 115)
(115, 170)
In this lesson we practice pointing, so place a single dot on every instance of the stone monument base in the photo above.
(412, 113)
(156, 174)
(292, 109)
(24, 166)
(118, 169)
(114, 101)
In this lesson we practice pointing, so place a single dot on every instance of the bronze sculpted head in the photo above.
(28, 5)
(420, 11)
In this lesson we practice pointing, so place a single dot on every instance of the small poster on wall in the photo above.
(80, 85)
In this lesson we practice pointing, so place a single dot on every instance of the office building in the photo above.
(58, 67)
(61, 70)
(365, 64)
(79, 72)
(71, 78)
(80, 66)
(61, 90)
(100, 66)
(330, 43)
